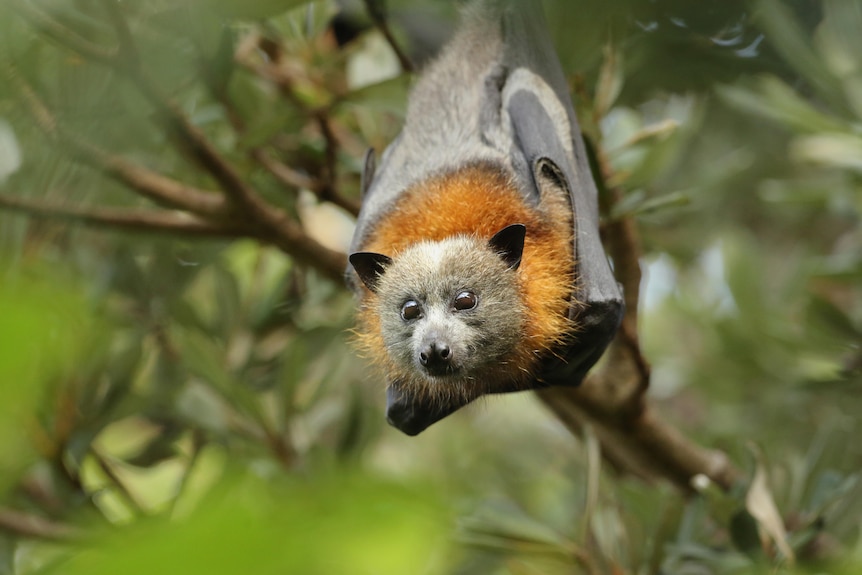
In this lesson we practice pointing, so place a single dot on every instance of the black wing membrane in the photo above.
(556, 156)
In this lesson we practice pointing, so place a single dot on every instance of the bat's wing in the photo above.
(551, 151)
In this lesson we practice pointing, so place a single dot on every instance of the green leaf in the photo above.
(637, 204)
(506, 526)
(786, 35)
(843, 151)
(776, 101)
(610, 82)
(43, 331)
(744, 534)
(7, 554)
(344, 524)
(760, 503)
(249, 9)
(835, 318)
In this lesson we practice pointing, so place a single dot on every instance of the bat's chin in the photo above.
(442, 374)
(439, 373)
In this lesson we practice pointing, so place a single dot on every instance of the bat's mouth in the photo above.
(441, 372)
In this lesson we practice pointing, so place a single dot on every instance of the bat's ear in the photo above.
(546, 172)
(369, 267)
(509, 244)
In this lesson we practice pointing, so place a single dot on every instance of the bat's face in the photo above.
(448, 310)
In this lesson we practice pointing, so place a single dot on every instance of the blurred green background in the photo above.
(189, 405)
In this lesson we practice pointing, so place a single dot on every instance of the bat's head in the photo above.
(450, 311)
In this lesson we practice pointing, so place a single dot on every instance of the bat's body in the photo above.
(477, 242)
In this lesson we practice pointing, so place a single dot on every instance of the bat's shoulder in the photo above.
(477, 199)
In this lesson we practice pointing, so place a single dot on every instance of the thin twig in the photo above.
(285, 232)
(375, 10)
(137, 508)
(324, 188)
(152, 185)
(268, 221)
(328, 190)
(28, 525)
(128, 51)
(126, 219)
(282, 172)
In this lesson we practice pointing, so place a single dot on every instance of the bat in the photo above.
(476, 258)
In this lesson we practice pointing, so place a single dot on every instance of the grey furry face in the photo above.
(448, 309)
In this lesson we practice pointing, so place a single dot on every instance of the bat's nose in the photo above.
(436, 357)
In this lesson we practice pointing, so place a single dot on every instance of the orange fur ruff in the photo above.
(480, 201)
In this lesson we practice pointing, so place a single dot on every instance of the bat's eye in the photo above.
(410, 310)
(465, 300)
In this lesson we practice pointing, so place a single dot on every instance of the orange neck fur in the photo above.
(480, 200)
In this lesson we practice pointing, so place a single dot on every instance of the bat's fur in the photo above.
(437, 235)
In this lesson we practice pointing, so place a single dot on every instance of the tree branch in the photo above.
(274, 223)
(325, 185)
(126, 219)
(188, 135)
(152, 185)
(268, 222)
(27, 525)
(375, 10)
(645, 445)
(612, 399)
(327, 190)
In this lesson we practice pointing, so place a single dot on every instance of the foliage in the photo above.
(165, 395)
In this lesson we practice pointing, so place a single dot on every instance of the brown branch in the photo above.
(612, 399)
(644, 445)
(269, 222)
(128, 51)
(152, 185)
(126, 219)
(188, 135)
(375, 10)
(282, 172)
(196, 144)
(325, 186)
(294, 179)
(27, 525)
(292, 240)
(328, 188)
(136, 506)
(286, 175)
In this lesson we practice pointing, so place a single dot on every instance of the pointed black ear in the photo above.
(509, 244)
(369, 267)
